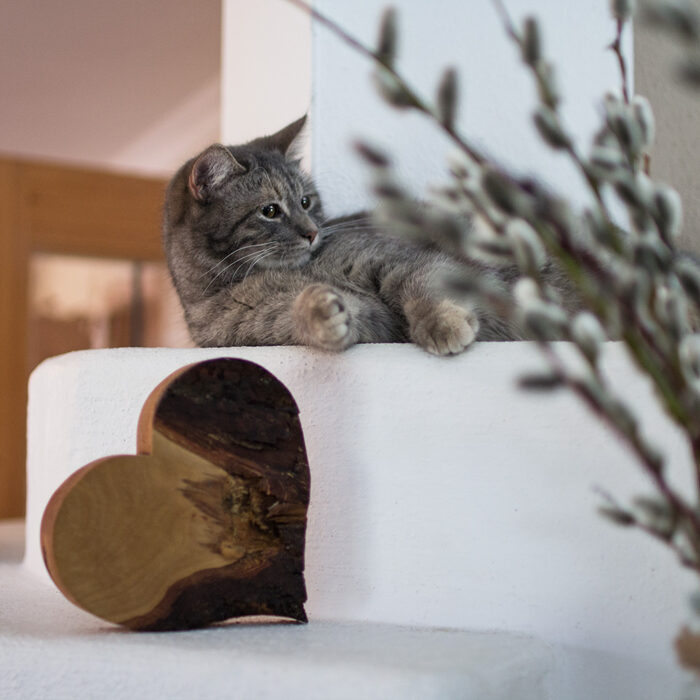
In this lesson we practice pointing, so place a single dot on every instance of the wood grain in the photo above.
(206, 523)
(14, 261)
(65, 210)
(78, 211)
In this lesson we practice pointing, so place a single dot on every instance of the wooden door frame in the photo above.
(65, 210)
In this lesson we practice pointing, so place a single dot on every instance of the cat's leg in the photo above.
(293, 313)
(325, 317)
(436, 323)
(440, 326)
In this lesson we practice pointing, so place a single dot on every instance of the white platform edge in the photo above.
(441, 495)
(50, 648)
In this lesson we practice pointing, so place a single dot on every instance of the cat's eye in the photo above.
(305, 202)
(270, 211)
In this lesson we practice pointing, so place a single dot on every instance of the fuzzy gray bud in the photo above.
(622, 9)
(606, 161)
(504, 192)
(550, 129)
(651, 254)
(689, 72)
(547, 84)
(494, 251)
(391, 89)
(627, 131)
(463, 167)
(684, 547)
(386, 45)
(543, 319)
(599, 227)
(672, 308)
(633, 190)
(667, 210)
(526, 291)
(588, 334)
(616, 515)
(447, 98)
(373, 156)
(644, 115)
(621, 120)
(527, 247)
(689, 276)
(541, 382)
(531, 42)
(689, 355)
(656, 514)
(621, 415)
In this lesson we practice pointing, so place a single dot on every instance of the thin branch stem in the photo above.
(648, 459)
(418, 101)
(616, 47)
(593, 281)
(507, 21)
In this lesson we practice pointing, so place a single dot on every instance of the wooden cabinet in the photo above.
(71, 211)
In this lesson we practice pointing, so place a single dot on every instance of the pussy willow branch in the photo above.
(419, 102)
(643, 345)
(685, 560)
(684, 511)
(507, 21)
(575, 156)
(616, 47)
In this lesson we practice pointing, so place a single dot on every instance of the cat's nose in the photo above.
(310, 235)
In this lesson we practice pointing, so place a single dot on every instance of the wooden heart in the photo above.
(205, 523)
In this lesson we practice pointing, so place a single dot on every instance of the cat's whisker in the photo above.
(213, 268)
(242, 260)
(347, 224)
(337, 229)
(256, 261)
(365, 221)
(253, 255)
(233, 252)
(351, 220)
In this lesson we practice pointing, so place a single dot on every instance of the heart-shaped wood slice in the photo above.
(205, 523)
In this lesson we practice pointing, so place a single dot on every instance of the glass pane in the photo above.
(78, 303)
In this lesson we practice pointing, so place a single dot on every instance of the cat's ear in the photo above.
(285, 140)
(211, 169)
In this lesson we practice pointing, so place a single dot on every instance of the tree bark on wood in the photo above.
(207, 522)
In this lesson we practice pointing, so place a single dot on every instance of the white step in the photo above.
(441, 495)
(51, 649)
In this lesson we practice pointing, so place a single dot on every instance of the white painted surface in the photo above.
(266, 68)
(51, 649)
(498, 94)
(441, 495)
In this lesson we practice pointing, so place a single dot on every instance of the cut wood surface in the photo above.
(206, 523)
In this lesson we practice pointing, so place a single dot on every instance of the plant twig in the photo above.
(418, 101)
(648, 458)
(616, 47)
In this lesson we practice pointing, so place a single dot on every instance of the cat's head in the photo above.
(235, 209)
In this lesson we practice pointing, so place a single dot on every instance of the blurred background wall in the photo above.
(676, 155)
(131, 85)
(136, 87)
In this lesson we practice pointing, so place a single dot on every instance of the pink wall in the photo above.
(125, 85)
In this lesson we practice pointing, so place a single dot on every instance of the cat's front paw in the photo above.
(442, 328)
(323, 317)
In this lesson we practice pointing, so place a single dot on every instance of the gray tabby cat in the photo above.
(255, 263)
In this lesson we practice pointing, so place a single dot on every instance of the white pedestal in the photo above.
(442, 496)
